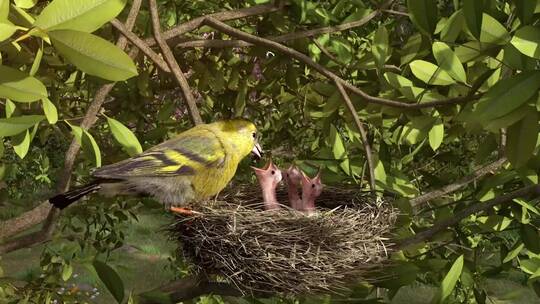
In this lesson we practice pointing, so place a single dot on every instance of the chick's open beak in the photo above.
(257, 151)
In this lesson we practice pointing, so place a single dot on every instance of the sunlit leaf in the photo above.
(7, 29)
(78, 15)
(124, 136)
(15, 125)
(430, 73)
(21, 144)
(4, 10)
(450, 280)
(91, 147)
(436, 135)
(448, 61)
(50, 110)
(25, 3)
(527, 41)
(19, 86)
(514, 252)
(380, 46)
(493, 31)
(93, 55)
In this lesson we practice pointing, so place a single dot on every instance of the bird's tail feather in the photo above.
(63, 200)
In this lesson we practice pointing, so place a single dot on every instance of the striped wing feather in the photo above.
(184, 155)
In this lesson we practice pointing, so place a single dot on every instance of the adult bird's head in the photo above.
(242, 134)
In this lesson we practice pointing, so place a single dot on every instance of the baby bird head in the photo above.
(242, 135)
(311, 187)
(293, 176)
(268, 176)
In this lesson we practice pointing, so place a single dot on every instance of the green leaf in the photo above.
(526, 205)
(453, 27)
(18, 86)
(514, 252)
(423, 14)
(67, 271)
(380, 46)
(7, 29)
(50, 111)
(397, 81)
(450, 280)
(525, 10)
(529, 236)
(436, 135)
(521, 139)
(527, 41)
(494, 125)
(430, 73)
(124, 136)
(473, 12)
(411, 48)
(21, 144)
(78, 15)
(37, 61)
(507, 95)
(111, 279)
(93, 55)
(335, 141)
(10, 108)
(448, 61)
(4, 9)
(25, 3)
(493, 31)
(91, 148)
(15, 125)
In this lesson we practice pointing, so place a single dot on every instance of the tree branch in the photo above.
(173, 65)
(363, 134)
(44, 211)
(222, 27)
(459, 216)
(424, 198)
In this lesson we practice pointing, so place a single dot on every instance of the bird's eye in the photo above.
(273, 172)
(254, 135)
(312, 185)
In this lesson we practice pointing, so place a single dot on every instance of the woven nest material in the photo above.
(285, 251)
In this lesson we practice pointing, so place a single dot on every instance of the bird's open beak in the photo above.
(257, 151)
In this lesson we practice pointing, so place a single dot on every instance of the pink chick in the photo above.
(269, 178)
(293, 176)
(311, 189)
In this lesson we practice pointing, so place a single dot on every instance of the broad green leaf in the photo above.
(423, 14)
(10, 108)
(37, 61)
(507, 95)
(521, 139)
(493, 31)
(450, 280)
(67, 271)
(430, 73)
(18, 86)
(525, 10)
(530, 237)
(514, 252)
(380, 46)
(124, 136)
(436, 135)
(21, 144)
(516, 60)
(338, 148)
(494, 125)
(527, 41)
(91, 148)
(473, 12)
(448, 61)
(495, 222)
(4, 9)
(453, 27)
(397, 81)
(411, 48)
(529, 266)
(526, 205)
(380, 172)
(15, 125)
(25, 3)
(78, 15)
(93, 55)
(7, 29)
(50, 111)
(110, 279)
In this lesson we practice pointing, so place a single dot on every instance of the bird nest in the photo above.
(286, 251)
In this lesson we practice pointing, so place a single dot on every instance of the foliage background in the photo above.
(480, 58)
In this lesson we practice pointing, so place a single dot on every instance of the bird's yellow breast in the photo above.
(211, 181)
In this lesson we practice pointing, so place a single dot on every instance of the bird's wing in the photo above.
(184, 155)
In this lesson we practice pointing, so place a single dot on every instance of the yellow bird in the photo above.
(194, 165)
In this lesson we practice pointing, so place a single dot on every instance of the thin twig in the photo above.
(363, 134)
(44, 210)
(222, 27)
(173, 65)
(424, 198)
(473, 209)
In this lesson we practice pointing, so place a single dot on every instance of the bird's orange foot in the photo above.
(183, 211)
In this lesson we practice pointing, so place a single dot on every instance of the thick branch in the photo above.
(222, 27)
(363, 134)
(44, 210)
(459, 216)
(173, 65)
(424, 198)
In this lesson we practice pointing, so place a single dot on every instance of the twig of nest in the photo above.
(284, 251)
